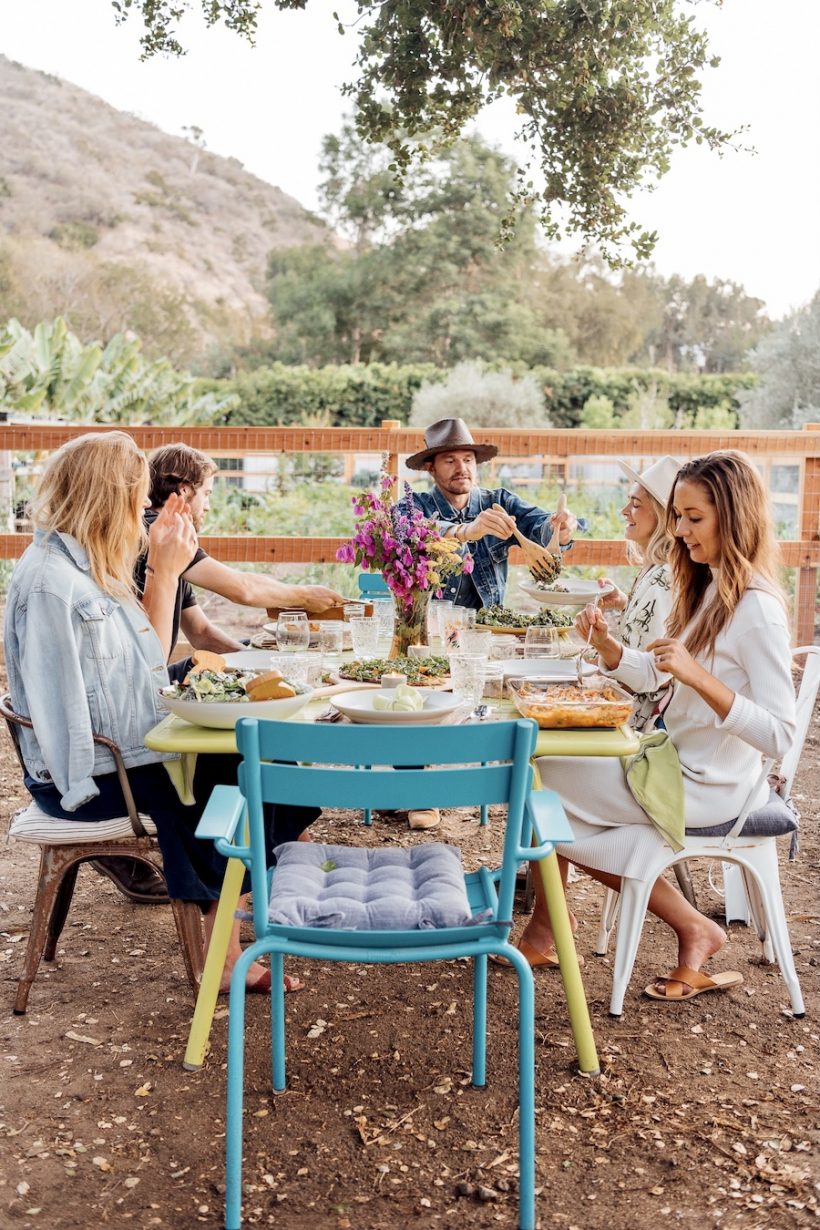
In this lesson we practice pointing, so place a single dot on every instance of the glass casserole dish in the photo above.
(601, 703)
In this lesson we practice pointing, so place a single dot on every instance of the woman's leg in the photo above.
(698, 937)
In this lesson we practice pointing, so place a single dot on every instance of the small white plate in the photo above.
(577, 593)
(223, 715)
(358, 706)
(254, 659)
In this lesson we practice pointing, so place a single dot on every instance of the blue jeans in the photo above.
(193, 868)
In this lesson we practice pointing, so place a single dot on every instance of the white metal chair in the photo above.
(750, 843)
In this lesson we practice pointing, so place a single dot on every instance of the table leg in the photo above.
(202, 1020)
(570, 971)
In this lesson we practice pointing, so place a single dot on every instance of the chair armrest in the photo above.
(545, 812)
(220, 819)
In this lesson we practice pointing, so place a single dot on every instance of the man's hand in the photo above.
(566, 523)
(172, 539)
(315, 598)
(494, 521)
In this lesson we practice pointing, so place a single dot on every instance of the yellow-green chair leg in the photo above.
(200, 1030)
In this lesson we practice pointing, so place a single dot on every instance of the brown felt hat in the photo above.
(446, 436)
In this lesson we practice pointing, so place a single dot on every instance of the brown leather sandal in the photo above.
(684, 983)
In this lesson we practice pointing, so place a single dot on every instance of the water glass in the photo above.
(352, 608)
(453, 623)
(331, 637)
(437, 611)
(384, 612)
(542, 643)
(475, 640)
(467, 674)
(297, 668)
(364, 632)
(292, 632)
(504, 648)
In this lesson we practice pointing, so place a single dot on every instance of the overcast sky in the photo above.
(749, 218)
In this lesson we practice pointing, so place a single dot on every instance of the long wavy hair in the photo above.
(94, 488)
(661, 542)
(749, 554)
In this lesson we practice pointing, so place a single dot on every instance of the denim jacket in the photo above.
(79, 663)
(487, 583)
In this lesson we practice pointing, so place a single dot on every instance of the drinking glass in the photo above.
(437, 611)
(297, 668)
(541, 643)
(331, 637)
(364, 632)
(453, 622)
(467, 674)
(292, 632)
(384, 612)
(475, 640)
(352, 608)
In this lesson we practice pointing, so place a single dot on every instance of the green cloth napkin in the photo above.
(654, 777)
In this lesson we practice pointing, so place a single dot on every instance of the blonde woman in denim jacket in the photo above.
(84, 657)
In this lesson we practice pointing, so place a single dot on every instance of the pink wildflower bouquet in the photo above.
(401, 543)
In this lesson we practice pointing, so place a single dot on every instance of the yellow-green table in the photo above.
(173, 734)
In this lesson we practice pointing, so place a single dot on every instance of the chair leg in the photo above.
(757, 911)
(766, 873)
(526, 1099)
(479, 1022)
(59, 911)
(54, 864)
(684, 879)
(277, 974)
(635, 896)
(609, 912)
(236, 1070)
(188, 919)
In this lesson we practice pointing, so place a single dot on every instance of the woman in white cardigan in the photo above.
(644, 610)
(728, 648)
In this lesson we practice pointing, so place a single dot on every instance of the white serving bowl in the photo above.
(578, 592)
(223, 715)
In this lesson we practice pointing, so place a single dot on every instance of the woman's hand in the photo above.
(615, 600)
(172, 539)
(673, 658)
(592, 626)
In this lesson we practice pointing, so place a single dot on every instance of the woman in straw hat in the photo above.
(644, 610)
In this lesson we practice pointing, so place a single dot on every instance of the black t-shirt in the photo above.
(185, 594)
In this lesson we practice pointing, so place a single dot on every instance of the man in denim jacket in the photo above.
(466, 511)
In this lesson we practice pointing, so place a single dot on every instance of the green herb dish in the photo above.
(506, 620)
(418, 670)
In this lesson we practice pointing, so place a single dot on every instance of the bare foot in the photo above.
(257, 978)
(538, 933)
(703, 940)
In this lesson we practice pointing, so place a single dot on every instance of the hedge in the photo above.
(361, 396)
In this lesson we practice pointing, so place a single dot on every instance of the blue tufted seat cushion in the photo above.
(361, 889)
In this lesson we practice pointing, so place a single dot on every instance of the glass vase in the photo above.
(411, 623)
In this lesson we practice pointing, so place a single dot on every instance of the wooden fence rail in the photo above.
(549, 446)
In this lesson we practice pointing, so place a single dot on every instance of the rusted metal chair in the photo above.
(64, 845)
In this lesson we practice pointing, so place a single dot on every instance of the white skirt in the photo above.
(612, 832)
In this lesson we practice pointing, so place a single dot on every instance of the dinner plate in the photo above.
(254, 659)
(223, 715)
(577, 592)
(358, 706)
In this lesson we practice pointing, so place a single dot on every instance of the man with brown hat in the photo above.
(467, 511)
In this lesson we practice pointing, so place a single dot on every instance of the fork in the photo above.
(579, 661)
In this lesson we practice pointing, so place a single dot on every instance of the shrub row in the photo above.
(359, 396)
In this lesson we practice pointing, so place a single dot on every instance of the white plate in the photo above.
(578, 592)
(254, 659)
(223, 715)
(562, 670)
(358, 706)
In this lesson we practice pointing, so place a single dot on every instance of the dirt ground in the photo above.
(706, 1114)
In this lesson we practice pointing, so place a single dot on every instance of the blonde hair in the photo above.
(94, 488)
(749, 554)
(659, 547)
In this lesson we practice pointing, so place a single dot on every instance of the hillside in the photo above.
(115, 224)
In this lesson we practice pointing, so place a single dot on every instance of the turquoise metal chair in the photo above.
(465, 765)
(372, 585)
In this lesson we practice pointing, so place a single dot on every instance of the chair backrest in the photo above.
(371, 584)
(465, 766)
(806, 699)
